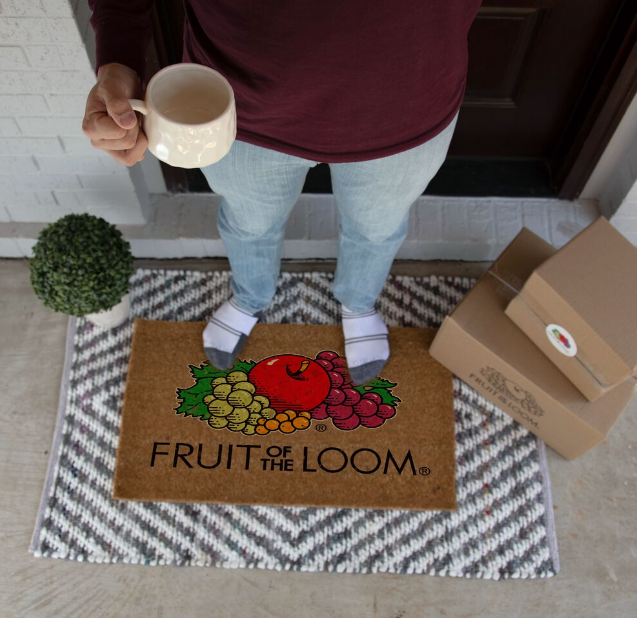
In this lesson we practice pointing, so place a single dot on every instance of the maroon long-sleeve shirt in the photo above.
(332, 81)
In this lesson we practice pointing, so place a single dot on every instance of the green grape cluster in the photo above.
(234, 405)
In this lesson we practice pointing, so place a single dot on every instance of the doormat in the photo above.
(503, 526)
(281, 427)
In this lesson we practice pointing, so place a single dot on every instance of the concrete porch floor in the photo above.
(595, 500)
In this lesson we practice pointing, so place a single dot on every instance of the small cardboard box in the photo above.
(483, 347)
(580, 308)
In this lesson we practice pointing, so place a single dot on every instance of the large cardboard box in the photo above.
(579, 308)
(481, 345)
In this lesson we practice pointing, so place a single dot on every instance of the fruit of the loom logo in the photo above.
(563, 340)
(285, 393)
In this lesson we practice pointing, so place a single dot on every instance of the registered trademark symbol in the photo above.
(424, 471)
(321, 427)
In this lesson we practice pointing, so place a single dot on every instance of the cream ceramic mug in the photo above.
(190, 118)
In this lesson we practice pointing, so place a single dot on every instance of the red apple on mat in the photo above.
(290, 382)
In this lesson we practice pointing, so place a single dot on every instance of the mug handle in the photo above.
(139, 106)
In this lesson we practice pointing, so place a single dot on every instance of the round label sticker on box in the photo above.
(561, 339)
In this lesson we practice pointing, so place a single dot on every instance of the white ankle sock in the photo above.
(227, 324)
(366, 337)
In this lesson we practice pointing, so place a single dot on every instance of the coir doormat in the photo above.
(503, 525)
(282, 427)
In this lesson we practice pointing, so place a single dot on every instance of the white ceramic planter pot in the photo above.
(112, 317)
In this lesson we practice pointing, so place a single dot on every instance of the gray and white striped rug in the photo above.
(503, 527)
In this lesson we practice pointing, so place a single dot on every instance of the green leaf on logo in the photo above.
(244, 366)
(191, 403)
(192, 399)
(205, 371)
(381, 387)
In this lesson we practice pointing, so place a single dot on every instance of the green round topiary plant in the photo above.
(81, 264)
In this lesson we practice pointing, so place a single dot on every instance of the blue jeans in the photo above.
(259, 188)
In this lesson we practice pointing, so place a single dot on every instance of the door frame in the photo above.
(607, 93)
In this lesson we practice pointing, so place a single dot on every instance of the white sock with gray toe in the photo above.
(226, 333)
(366, 344)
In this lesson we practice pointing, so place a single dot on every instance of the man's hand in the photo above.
(109, 120)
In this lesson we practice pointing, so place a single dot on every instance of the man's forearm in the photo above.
(123, 31)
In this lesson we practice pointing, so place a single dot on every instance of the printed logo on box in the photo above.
(561, 339)
(510, 394)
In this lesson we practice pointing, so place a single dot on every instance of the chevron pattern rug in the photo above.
(503, 527)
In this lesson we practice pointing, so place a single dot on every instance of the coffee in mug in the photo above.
(190, 118)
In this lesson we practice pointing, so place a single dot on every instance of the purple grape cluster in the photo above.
(347, 408)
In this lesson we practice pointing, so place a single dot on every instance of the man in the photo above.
(371, 88)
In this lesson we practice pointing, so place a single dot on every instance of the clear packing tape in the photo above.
(594, 372)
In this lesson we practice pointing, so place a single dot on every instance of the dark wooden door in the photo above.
(543, 75)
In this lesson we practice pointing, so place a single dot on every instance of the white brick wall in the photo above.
(47, 166)
(185, 226)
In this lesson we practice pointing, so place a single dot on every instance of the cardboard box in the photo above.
(482, 346)
(579, 308)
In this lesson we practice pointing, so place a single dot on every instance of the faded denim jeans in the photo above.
(260, 186)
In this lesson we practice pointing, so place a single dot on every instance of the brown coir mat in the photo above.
(279, 427)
